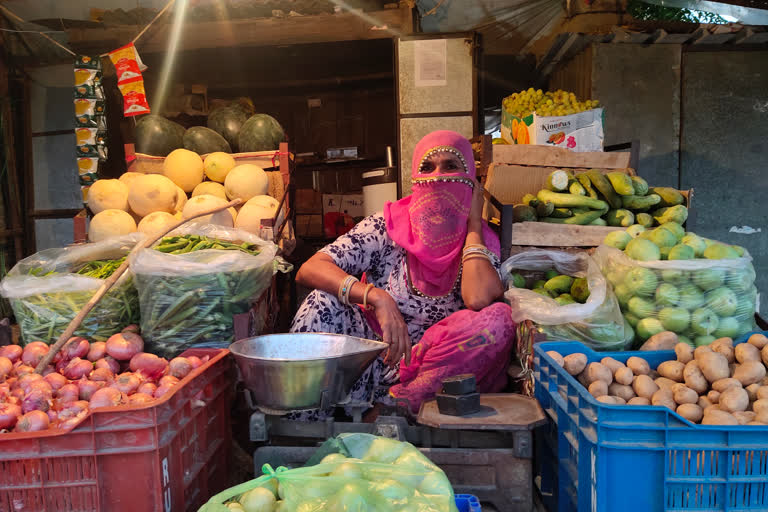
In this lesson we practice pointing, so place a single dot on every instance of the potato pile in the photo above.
(717, 384)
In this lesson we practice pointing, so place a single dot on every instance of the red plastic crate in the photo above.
(168, 456)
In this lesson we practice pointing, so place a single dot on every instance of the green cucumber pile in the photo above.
(594, 198)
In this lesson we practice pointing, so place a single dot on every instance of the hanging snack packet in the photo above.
(126, 63)
(134, 97)
(90, 120)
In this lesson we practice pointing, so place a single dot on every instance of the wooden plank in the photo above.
(559, 235)
(546, 156)
(321, 28)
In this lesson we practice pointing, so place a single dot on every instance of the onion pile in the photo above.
(83, 376)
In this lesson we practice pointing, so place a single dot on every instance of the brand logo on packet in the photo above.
(550, 127)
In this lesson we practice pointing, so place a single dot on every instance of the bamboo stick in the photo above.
(108, 283)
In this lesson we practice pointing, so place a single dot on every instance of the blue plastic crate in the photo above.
(644, 458)
(467, 503)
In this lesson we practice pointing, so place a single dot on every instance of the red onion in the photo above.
(148, 366)
(103, 375)
(9, 414)
(5, 391)
(25, 381)
(106, 397)
(109, 363)
(6, 366)
(77, 368)
(52, 416)
(35, 400)
(75, 347)
(48, 370)
(195, 362)
(12, 352)
(127, 383)
(72, 409)
(168, 380)
(33, 421)
(42, 386)
(131, 328)
(147, 388)
(162, 390)
(123, 346)
(18, 394)
(68, 392)
(34, 352)
(140, 399)
(56, 380)
(180, 367)
(23, 369)
(97, 350)
(87, 388)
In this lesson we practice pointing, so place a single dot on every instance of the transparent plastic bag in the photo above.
(598, 322)
(700, 300)
(370, 474)
(44, 305)
(189, 300)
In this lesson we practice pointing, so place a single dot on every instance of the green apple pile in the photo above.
(699, 305)
(562, 288)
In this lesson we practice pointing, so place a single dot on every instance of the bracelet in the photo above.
(476, 256)
(475, 246)
(492, 258)
(368, 288)
(349, 290)
(345, 288)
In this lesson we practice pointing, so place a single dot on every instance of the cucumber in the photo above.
(523, 213)
(598, 222)
(604, 186)
(621, 183)
(640, 186)
(620, 217)
(558, 180)
(561, 213)
(544, 209)
(581, 219)
(577, 188)
(640, 202)
(530, 200)
(568, 200)
(584, 180)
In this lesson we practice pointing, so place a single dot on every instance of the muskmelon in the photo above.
(184, 168)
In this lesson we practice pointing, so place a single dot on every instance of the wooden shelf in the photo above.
(321, 28)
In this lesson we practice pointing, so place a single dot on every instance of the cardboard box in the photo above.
(580, 132)
(309, 201)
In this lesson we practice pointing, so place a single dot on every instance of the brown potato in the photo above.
(723, 384)
(622, 391)
(582, 378)
(761, 416)
(714, 407)
(734, 399)
(694, 379)
(684, 352)
(624, 376)
(644, 386)
(723, 346)
(682, 394)
(744, 417)
(746, 352)
(758, 340)
(752, 391)
(598, 389)
(557, 357)
(639, 400)
(700, 350)
(575, 363)
(673, 370)
(762, 393)
(618, 400)
(607, 399)
(764, 355)
(638, 365)
(749, 372)
(691, 412)
(665, 383)
(756, 423)
(760, 406)
(714, 366)
(714, 396)
(665, 340)
(596, 371)
(715, 417)
(665, 398)
(654, 374)
(765, 381)
(704, 402)
(611, 363)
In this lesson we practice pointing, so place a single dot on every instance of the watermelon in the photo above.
(227, 121)
(260, 133)
(203, 140)
(157, 136)
(244, 104)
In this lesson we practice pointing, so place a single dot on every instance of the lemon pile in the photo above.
(557, 103)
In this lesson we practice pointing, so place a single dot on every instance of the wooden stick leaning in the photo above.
(111, 280)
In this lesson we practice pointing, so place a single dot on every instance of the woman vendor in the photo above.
(424, 258)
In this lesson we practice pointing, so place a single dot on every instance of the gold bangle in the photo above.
(474, 246)
(476, 255)
(368, 288)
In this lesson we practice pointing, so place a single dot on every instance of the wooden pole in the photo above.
(109, 282)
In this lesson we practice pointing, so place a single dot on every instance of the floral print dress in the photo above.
(368, 249)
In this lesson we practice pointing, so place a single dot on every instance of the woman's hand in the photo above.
(475, 220)
(393, 328)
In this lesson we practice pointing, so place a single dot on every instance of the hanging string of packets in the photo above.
(90, 120)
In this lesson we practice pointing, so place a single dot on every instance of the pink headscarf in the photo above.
(431, 223)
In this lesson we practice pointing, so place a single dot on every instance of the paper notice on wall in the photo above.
(430, 61)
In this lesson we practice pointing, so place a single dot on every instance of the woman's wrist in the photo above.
(377, 296)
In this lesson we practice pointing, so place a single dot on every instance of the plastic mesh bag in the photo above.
(700, 299)
(598, 322)
(380, 475)
(189, 300)
(44, 305)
